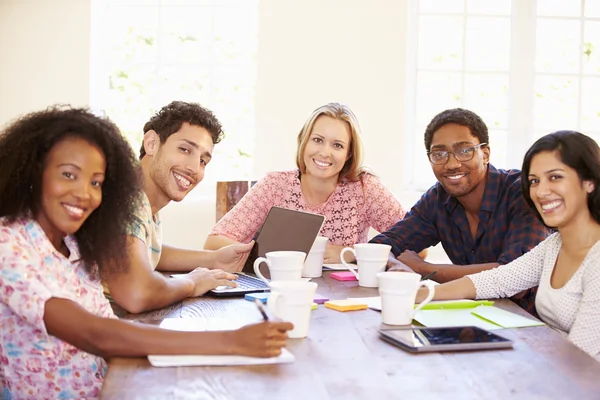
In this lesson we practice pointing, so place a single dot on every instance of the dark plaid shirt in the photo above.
(507, 227)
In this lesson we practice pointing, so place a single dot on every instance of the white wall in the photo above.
(44, 55)
(310, 52)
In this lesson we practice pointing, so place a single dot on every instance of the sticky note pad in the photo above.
(253, 296)
(343, 276)
(314, 306)
(320, 299)
(346, 305)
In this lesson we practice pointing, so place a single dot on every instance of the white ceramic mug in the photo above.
(313, 265)
(283, 265)
(371, 258)
(398, 291)
(292, 301)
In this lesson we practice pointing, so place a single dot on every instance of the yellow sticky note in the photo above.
(314, 306)
(346, 305)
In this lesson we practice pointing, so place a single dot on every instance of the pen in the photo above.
(428, 276)
(261, 308)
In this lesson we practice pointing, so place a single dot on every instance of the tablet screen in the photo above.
(455, 336)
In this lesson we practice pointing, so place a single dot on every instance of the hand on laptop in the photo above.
(207, 279)
(265, 339)
(233, 257)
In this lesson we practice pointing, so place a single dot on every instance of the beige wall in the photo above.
(310, 52)
(44, 52)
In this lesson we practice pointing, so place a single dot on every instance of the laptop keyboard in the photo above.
(250, 282)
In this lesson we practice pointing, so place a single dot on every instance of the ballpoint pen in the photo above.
(428, 276)
(261, 308)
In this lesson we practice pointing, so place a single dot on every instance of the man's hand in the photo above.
(233, 257)
(207, 279)
(412, 260)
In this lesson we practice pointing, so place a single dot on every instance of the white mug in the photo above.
(283, 265)
(313, 265)
(371, 258)
(292, 301)
(398, 291)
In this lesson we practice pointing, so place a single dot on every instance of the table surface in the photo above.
(344, 358)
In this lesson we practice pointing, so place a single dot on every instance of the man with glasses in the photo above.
(475, 210)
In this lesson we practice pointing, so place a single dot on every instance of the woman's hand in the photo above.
(265, 339)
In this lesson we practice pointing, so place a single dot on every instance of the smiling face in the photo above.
(459, 178)
(71, 187)
(177, 165)
(327, 148)
(556, 190)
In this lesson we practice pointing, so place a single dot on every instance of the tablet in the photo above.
(423, 339)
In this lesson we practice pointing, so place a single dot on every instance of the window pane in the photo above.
(436, 92)
(559, 8)
(132, 35)
(557, 46)
(191, 83)
(590, 106)
(441, 6)
(495, 7)
(236, 33)
(440, 42)
(592, 8)
(484, 51)
(499, 148)
(487, 96)
(555, 104)
(591, 48)
(186, 35)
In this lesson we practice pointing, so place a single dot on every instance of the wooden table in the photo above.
(343, 358)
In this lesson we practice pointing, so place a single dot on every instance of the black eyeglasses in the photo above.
(462, 154)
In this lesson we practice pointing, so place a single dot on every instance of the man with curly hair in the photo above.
(475, 210)
(177, 147)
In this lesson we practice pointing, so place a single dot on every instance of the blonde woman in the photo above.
(330, 180)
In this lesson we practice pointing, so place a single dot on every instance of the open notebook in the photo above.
(190, 325)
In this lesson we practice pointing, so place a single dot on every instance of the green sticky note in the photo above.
(505, 319)
(455, 304)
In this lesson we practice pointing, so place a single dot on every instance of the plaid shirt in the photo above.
(507, 227)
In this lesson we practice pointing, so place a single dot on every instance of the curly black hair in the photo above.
(576, 150)
(169, 119)
(24, 146)
(457, 116)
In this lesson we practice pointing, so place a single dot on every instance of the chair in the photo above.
(229, 194)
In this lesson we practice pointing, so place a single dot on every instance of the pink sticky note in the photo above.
(343, 276)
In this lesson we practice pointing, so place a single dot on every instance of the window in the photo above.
(147, 53)
(526, 67)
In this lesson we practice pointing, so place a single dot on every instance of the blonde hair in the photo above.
(353, 168)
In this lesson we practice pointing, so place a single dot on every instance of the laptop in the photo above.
(282, 230)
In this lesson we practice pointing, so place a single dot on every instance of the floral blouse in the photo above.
(34, 364)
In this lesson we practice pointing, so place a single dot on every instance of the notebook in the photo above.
(191, 325)
(282, 230)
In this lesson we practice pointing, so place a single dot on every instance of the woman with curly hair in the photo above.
(68, 189)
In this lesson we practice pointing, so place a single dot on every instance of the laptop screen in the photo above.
(284, 230)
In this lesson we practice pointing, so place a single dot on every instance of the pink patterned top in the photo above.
(349, 212)
(33, 364)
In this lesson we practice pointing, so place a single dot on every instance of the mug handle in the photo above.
(274, 301)
(257, 267)
(431, 287)
(344, 250)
